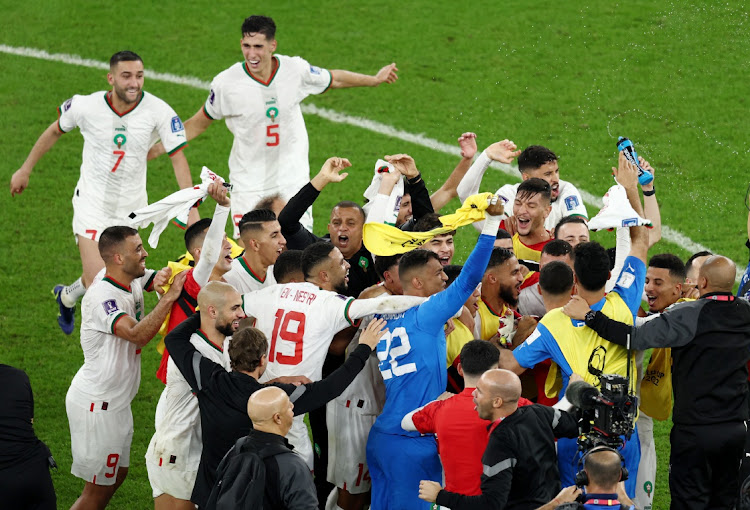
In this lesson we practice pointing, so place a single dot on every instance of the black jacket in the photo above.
(222, 397)
(710, 341)
(520, 462)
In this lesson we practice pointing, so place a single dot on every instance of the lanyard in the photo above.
(721, 297)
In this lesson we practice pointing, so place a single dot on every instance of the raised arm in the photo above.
(141, 332)
(627, 176)
(385, 304)
(651, 205)
(449, 190)
(44, 143)
(214, 239)
(341, 79)
(420, 197)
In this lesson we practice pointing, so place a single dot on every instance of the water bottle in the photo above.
(626, 146)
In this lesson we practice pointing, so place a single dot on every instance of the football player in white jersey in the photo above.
(261, 235)
(260, 100)
(300, 320)
(534, 161)
(113, 331)
(174, 453)
(118, 127)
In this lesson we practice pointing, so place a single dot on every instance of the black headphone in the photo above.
(582, 477)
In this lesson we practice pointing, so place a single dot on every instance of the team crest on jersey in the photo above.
(176, 124)
(272, 113)
(67, 104)
(571, 203)
(211, 97)
(363, 263)
(110, 306)
(314, 70)
(120, 140)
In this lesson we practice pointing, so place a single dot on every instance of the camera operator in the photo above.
(710, 341)
(603, 472)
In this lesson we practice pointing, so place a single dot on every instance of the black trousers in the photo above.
(704, 465)
(27, 486)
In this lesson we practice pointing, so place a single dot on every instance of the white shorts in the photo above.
(99, 441)
(299, 437)
(89, 222)
(347, 444)
(245, 202)
(163, 480)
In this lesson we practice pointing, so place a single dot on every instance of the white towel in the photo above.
(177, 205)
(617, 212)
(390, 211)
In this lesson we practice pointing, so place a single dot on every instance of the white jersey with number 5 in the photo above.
(115, 145)
(299, 320)
(270, 149)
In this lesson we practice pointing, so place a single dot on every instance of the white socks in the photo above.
(72, 293)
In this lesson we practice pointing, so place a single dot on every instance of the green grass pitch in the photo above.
(569, 75)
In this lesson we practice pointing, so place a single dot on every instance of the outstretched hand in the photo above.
(331, 172)
(626, 173)
(19, 182)
(219, 192)
(503, 151)
(496, 206)
(387, 74)
(404, 164)
(468, 144)
(373, 333)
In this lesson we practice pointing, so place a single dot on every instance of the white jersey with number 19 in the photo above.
(113, 167)
(299, 320)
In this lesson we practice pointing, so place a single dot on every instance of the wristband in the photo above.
(415, 180)
(589, 317)
(649, 193)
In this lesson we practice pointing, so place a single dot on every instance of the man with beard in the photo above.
(534, 162)
(118, 126)
(501, 286)
(174, 453)
(519, 469)
(261, 236)
(113, 332)
(300, 320)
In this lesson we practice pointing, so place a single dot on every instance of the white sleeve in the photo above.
(68, 114)
(379, 212)
(469, 185)
(170, 129)
(573, 202)
(314, 80)
(386, 304)
(622, 249)
(213, 105)
(211, 249)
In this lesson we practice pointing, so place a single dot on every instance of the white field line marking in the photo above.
(668, 234)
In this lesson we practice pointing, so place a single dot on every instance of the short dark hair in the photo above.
(603, 470)
(677, 269)
(478, 356)
(558, 248)
(556, 278)
(503, 234)
(259, 25)
(288, 262)
(499, 256)
(414, 260)
(314, 255)
(111, 239)
(430, 221)
(533, 157)
(254, 220)
(196, 233)
(246, 348)
(267, 201)
(384, 262)
(694, 256)
(591, 265)
(348, 204)
(569, 219)
(534, 186)
(124, 56)
(452, 271)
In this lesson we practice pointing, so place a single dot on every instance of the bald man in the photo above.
(288, 482)
(520, 463)
(710, 341)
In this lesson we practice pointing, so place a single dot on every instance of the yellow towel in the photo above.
(176, 268)
(385, 240)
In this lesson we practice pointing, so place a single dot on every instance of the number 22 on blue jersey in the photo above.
(394, 345)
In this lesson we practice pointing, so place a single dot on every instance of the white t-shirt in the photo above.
(270, 149)
(113, 167)
(111, 370)
(244, 280)
(568, 203)
(299, 320)
(179, 431)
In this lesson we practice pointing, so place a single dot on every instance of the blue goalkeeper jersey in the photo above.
(412, 354)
